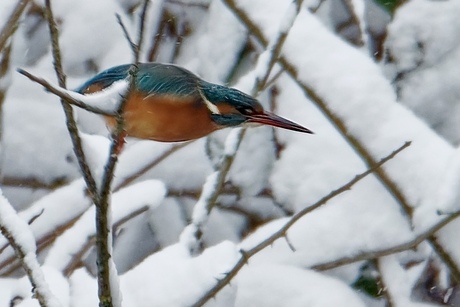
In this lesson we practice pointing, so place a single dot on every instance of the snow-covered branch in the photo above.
(103, 103)
(215, 181)
(282, 232)
(424, 236)
(18, 234)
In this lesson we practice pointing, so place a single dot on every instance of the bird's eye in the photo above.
(246, 111)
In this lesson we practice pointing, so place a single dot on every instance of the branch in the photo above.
(130, 178)
(390, 250)
(21, 238)
(282, 232)
(103, 224)
(51, 234)
(64, 95)
(338, 123)
(5, 57)
(12, 23)
(74, 263)
(216, 180)
(70, 119)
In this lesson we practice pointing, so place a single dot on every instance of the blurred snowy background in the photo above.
(365, 75)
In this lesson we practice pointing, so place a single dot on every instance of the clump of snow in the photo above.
(260, 285)
(150, 192)
(19, 232)
(157, 280)
(218, 42)
(254, 161)
(422, 56)
(96, 150)
(29, 151)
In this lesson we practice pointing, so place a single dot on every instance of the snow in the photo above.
(232, 142)
(20, 233)
(215, 63)
(149, 192)
(260, 286)
(173, 270)
(106, 100)
(96, 150)
(410, 96)
(55, 210)
(424, 54)
(27, 149)
(400, 281)
(201, 210)
(251, 171)
(83, 289)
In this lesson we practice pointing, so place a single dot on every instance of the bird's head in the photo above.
(230, 107)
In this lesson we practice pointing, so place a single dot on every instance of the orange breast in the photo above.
(166, 118)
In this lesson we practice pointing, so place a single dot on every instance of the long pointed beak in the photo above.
(271, 119)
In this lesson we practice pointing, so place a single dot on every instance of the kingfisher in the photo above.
(171, 104)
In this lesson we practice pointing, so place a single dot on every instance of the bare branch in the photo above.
(359, 147)
(91, 241)
(61, 92)
(246, 255)
(132, 45)
(5, 57)
(70, 118)
(265, 65)
(11, 24)
(390, 250)
(103, 226)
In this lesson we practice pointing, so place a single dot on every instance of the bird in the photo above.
(171, 104)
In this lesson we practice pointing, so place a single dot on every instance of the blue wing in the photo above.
(106, 78)
(152, 78)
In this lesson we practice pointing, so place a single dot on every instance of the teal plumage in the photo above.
(166, 93)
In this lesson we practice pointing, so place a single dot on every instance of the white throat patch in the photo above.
(211, 107)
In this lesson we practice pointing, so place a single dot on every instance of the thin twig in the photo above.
(353, 21)
(52, 234)
(73, 263)
(247, 254)
(355, 143)
(21, 239)
(12, 23)
(103, 227)
(390, 250)
(337, 122)
(445, 257)
(132, 45)
(32, 183)
(103, 224)
(4, 70)
(70, 119)
(60, 92)
(208, 201)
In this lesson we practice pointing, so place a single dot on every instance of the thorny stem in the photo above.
(282, 232)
